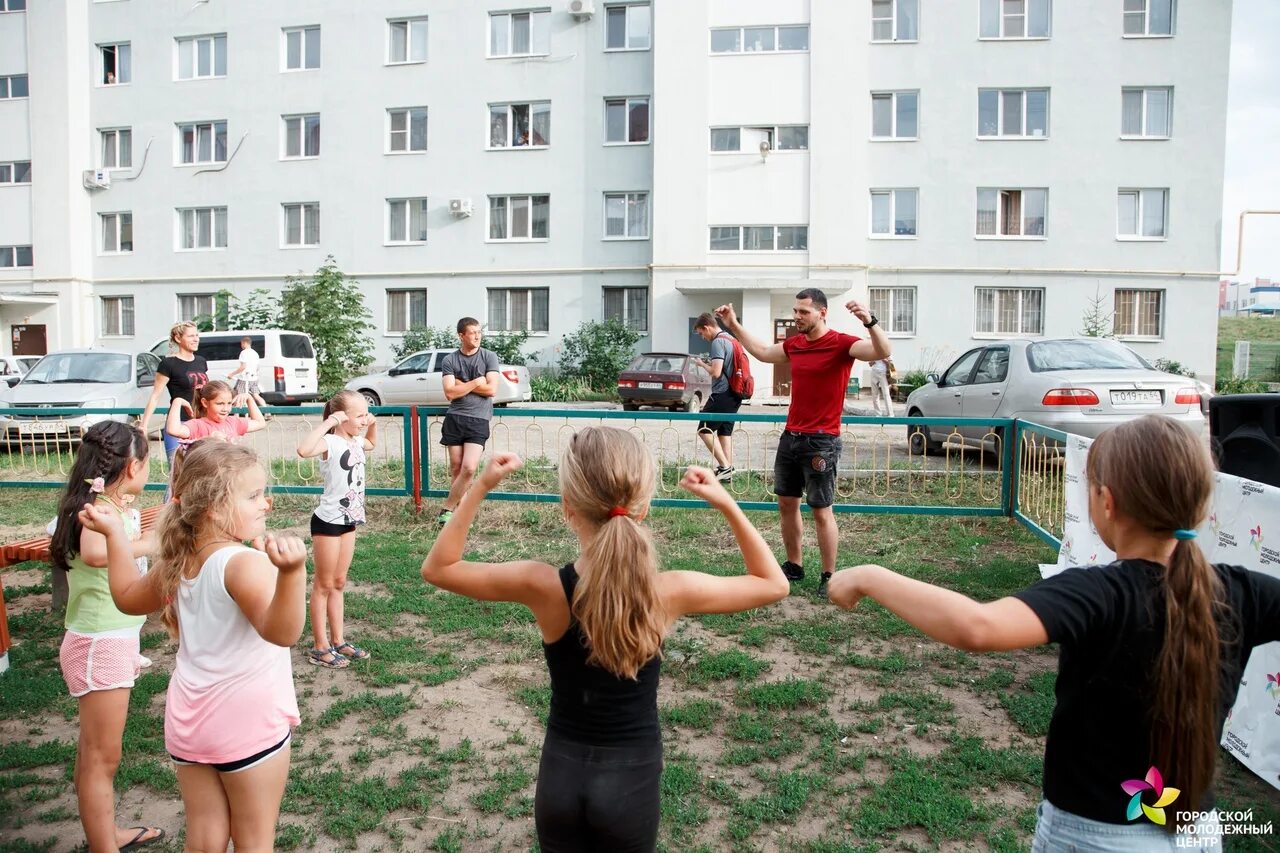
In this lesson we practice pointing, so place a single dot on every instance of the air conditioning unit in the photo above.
(97, 179)
(582, 9)
(460, 206)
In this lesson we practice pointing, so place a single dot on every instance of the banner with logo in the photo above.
(1242, 516)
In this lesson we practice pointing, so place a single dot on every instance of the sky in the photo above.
(1252, 175)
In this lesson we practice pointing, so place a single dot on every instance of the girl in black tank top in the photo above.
(603, 619)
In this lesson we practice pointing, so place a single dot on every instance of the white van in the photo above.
(287, 372)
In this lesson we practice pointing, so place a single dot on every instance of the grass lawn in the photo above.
(1264, 335)
(798, 727)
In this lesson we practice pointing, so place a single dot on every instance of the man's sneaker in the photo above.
(793, 571)
(822, 584)
(724, 472)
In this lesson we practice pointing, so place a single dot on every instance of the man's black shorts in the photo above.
(460, 429)
(725, 403)
(806, 466)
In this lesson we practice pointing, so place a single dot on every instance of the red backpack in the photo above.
(741, 383)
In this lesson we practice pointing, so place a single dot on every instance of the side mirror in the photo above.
(934, 378)
(395, 371)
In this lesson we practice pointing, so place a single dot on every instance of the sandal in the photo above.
(350, 651)
(137, 841)
(327, 658)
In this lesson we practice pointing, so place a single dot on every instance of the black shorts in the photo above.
(724, 403)
(461, 429)
(244, 763)
(320, 527)
(806, 466)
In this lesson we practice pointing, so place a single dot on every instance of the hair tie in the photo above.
(96, 486)
(1183, 535)
(618, 510)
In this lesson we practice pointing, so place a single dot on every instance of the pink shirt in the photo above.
(231, 693)
(232, 428)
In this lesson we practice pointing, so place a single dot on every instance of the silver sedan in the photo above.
(1077, 385)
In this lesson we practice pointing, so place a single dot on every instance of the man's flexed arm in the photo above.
(771, 353)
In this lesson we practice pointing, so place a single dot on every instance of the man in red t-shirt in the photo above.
(809, 450)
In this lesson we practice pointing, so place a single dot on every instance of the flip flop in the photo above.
(137, 842)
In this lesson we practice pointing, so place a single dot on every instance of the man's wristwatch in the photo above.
(874, 320)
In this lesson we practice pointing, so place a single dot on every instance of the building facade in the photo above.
(974, 169)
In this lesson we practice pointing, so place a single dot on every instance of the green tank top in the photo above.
(90, 609)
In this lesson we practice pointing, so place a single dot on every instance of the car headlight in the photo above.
(104, 403)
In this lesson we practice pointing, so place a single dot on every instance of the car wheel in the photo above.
(630, 407)
(919, 441)
(370, 397)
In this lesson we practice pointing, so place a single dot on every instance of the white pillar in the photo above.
(756, 317)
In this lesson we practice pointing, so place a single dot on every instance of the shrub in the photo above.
(1233, 385)
(330, 308)
(550, 387)
(597, 352)
(1170, 366)
(425, 337)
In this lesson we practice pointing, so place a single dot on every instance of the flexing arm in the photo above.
(697, 592)
(371, 435)
(150, 408)
(272, 599)
(771, 353)
(313, 443)
(133, 592)
(946, 616)
(173, 423)
(876, 345)
(256, 420)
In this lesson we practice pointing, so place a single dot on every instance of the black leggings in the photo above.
(597, 797)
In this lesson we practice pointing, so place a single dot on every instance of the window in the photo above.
(895, 20)
(117, 233)
(1146, 113)
(15, 256)
(1142, 214)
(12, 5)
(523, 310)
(759, 238)
(117, 67)
(117, 148)
(992, 367)
(1013, 113)
(627, 27)
(203, 142)
(629, 306)
(895, 115)
(893, 213)
(407, 40)
(759, 39)
(202, 228)
(1015, 19)
(14, 86)
(792, 137)
(896, 309)
(18, 172)
(302, 224)
(520, 125)
(1011, 213)
(301, 136)
(1009, 311)
(519, 34)
(626, 120)
(519, 217)
(406, 309)
(408, 130)
(211, 307)
(301, 48)
(626, 216)
(1139, 314)
(202, 56)
(117, 316)
(1148, 17)
(406, 220)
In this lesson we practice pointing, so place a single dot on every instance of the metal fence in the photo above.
(1019, 473)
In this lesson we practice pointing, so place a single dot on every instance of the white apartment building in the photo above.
(974, 168)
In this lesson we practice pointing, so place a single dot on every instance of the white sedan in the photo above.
(416, 380)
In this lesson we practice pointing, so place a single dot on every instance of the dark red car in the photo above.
(669, 379)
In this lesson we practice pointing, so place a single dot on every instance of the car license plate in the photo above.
(1135, 398)
(653, 385)
(300, 371)
(42, 428)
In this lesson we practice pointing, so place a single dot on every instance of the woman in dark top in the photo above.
(603, 619)
(1151, 647)
(182, 375)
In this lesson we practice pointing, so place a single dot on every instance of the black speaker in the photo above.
(1245, 429)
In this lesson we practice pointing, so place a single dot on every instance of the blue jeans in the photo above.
(1059, 831)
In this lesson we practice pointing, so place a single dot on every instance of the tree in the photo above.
(1097, 318)
(598, 352)
(330, 308)
(261, 310)
(508, 346)
(425, 337)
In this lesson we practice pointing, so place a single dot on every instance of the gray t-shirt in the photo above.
(464, 368)
(722, 348)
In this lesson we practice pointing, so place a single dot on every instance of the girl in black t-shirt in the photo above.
(182, 375)
(1151, 647)
(603, 619)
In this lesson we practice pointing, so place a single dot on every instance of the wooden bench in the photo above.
(38, 549)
